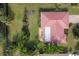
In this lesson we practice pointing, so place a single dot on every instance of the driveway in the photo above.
(73, 18)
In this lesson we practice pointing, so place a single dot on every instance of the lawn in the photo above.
(74, 10)
(16, 24)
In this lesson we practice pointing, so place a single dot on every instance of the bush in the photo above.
(77, 46)
(51, 49)
(70, 24)
(30, 45)
(8, 49)
(41, 47)
(66, 31)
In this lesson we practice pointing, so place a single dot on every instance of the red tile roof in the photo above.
(54, 15)
(58, 21)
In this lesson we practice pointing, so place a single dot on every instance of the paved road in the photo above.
(74, 18)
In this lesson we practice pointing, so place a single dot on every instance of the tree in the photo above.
(75, 30)
(7, 14)
(24, 36)
(4, 29)
(25, 28)
(25, 16)
(74, 4)
(57, 6)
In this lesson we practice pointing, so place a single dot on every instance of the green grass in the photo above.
(74, 10)
(33, 24)
(16, 24)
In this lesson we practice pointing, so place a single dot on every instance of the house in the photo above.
(52, 27)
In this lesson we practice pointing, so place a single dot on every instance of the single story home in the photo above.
(52, 27)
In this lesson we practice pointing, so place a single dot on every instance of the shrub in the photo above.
(51, 49)
(41, 47)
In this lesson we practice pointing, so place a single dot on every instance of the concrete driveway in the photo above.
(73, 18)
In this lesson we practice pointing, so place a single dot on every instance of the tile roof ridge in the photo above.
(62, 19)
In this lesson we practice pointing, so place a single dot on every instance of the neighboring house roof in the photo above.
(57, 21)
